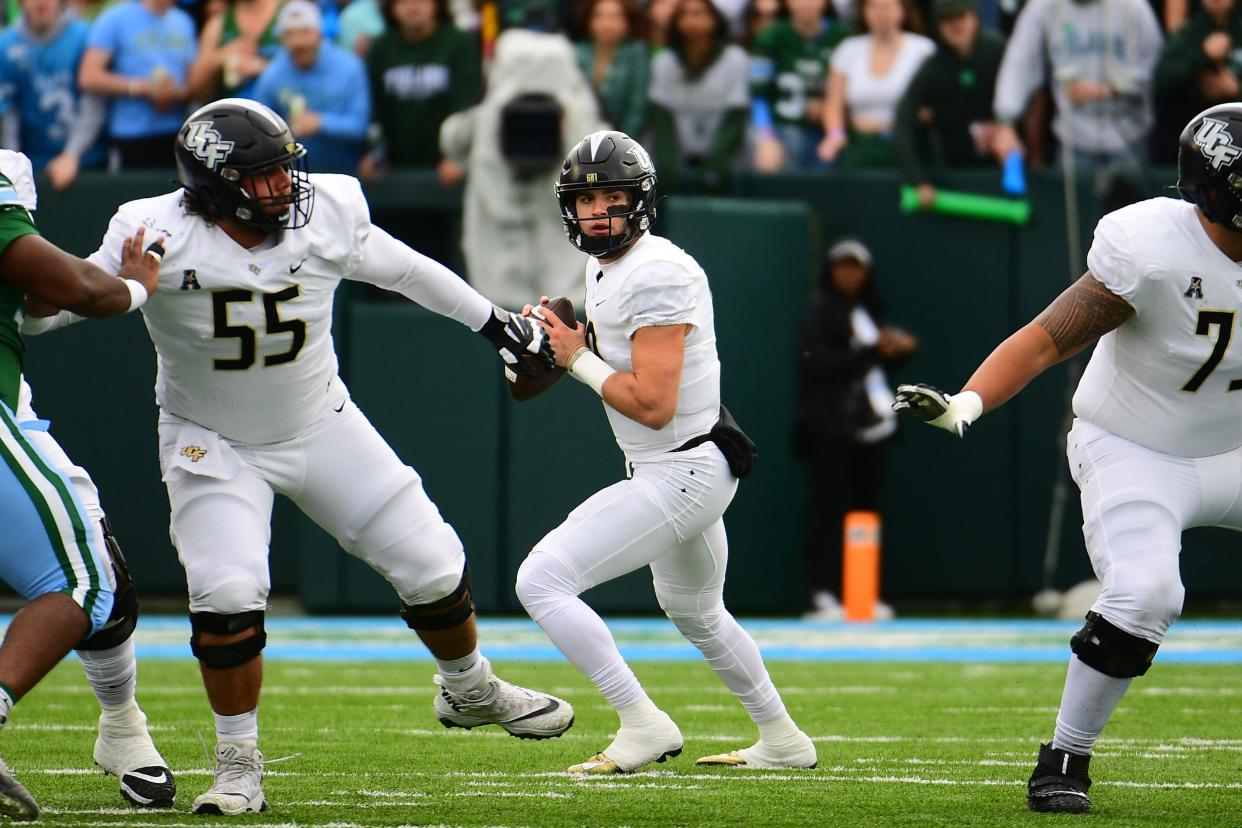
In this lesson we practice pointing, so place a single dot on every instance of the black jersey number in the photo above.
(247, 337)
(1223, 322)
(592, 341)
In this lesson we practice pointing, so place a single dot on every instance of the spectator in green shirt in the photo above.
(614, 60)
(422, 70)
(234, 48)
(944, 119)
(788, 64)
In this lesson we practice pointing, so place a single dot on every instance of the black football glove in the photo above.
(514, 336)
(952, 412)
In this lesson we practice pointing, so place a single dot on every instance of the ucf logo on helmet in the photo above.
(204, 141)
(641, 156)
(1214, 141)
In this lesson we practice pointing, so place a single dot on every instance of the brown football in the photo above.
(524, 386)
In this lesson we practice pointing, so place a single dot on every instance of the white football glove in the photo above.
(952, 412)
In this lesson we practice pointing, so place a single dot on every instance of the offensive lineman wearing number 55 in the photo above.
(1156, 446)
(251, 405)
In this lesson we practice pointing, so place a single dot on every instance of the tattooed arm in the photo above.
(1078, 317)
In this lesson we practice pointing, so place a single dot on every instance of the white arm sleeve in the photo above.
(35, 325)
(392, 265)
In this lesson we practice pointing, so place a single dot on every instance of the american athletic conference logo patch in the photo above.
(1214, 141)
(202, 139)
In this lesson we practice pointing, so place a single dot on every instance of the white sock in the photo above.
(641, 712)
(1088, 700)
(469, 673)
(113, 674)
(735, 657)
(244, 727)
(779, 731)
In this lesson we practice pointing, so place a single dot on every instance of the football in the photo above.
(523, 386)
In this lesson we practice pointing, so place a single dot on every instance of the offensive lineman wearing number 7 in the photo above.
(251, 404)
(1156, 446)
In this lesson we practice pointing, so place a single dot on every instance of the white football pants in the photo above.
(1135, 504)
(668, 516)
(340, 473)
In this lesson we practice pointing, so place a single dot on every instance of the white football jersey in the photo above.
(656, 283)
(1167, 378)
(243, 338)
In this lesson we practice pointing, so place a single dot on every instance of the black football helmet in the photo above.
(614, 161)
(1209, 164)
(231, 138)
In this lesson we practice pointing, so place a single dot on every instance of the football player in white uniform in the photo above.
(251, 405)
(56, 548)
(649, 350)
(1156, 446)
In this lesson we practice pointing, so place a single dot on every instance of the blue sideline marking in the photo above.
(377, 638)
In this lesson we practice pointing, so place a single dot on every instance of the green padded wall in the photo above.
(962, 518)
(756, 255)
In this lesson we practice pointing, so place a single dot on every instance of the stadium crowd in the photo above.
(710, 85)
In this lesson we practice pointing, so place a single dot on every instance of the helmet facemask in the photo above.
(255, 211)
(638, 215)
(299, 201)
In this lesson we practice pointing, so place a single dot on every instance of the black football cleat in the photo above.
(1059, 782)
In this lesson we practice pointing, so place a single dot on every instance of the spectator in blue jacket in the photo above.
(43, 113)
(319, 88)
(139, 54)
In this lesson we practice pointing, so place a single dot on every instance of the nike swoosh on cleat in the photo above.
(161, 778)
(553, 704)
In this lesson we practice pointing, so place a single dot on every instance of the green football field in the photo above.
(900, 743)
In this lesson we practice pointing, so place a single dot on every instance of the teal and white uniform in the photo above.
(50, 541)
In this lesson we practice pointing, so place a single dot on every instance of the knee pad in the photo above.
(235, 654)
(1112, 651)
(450, 611)
(124, 616)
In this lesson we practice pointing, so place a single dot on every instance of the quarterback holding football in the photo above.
(649, 350)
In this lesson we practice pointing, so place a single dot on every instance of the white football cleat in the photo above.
(799, 753)
(16, 803)
(634, 747)
(238, 788)
(526, 714)
(124, 749)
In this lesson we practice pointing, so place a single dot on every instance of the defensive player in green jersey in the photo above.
(51, 551)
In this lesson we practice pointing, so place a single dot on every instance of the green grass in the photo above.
(899, 744)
